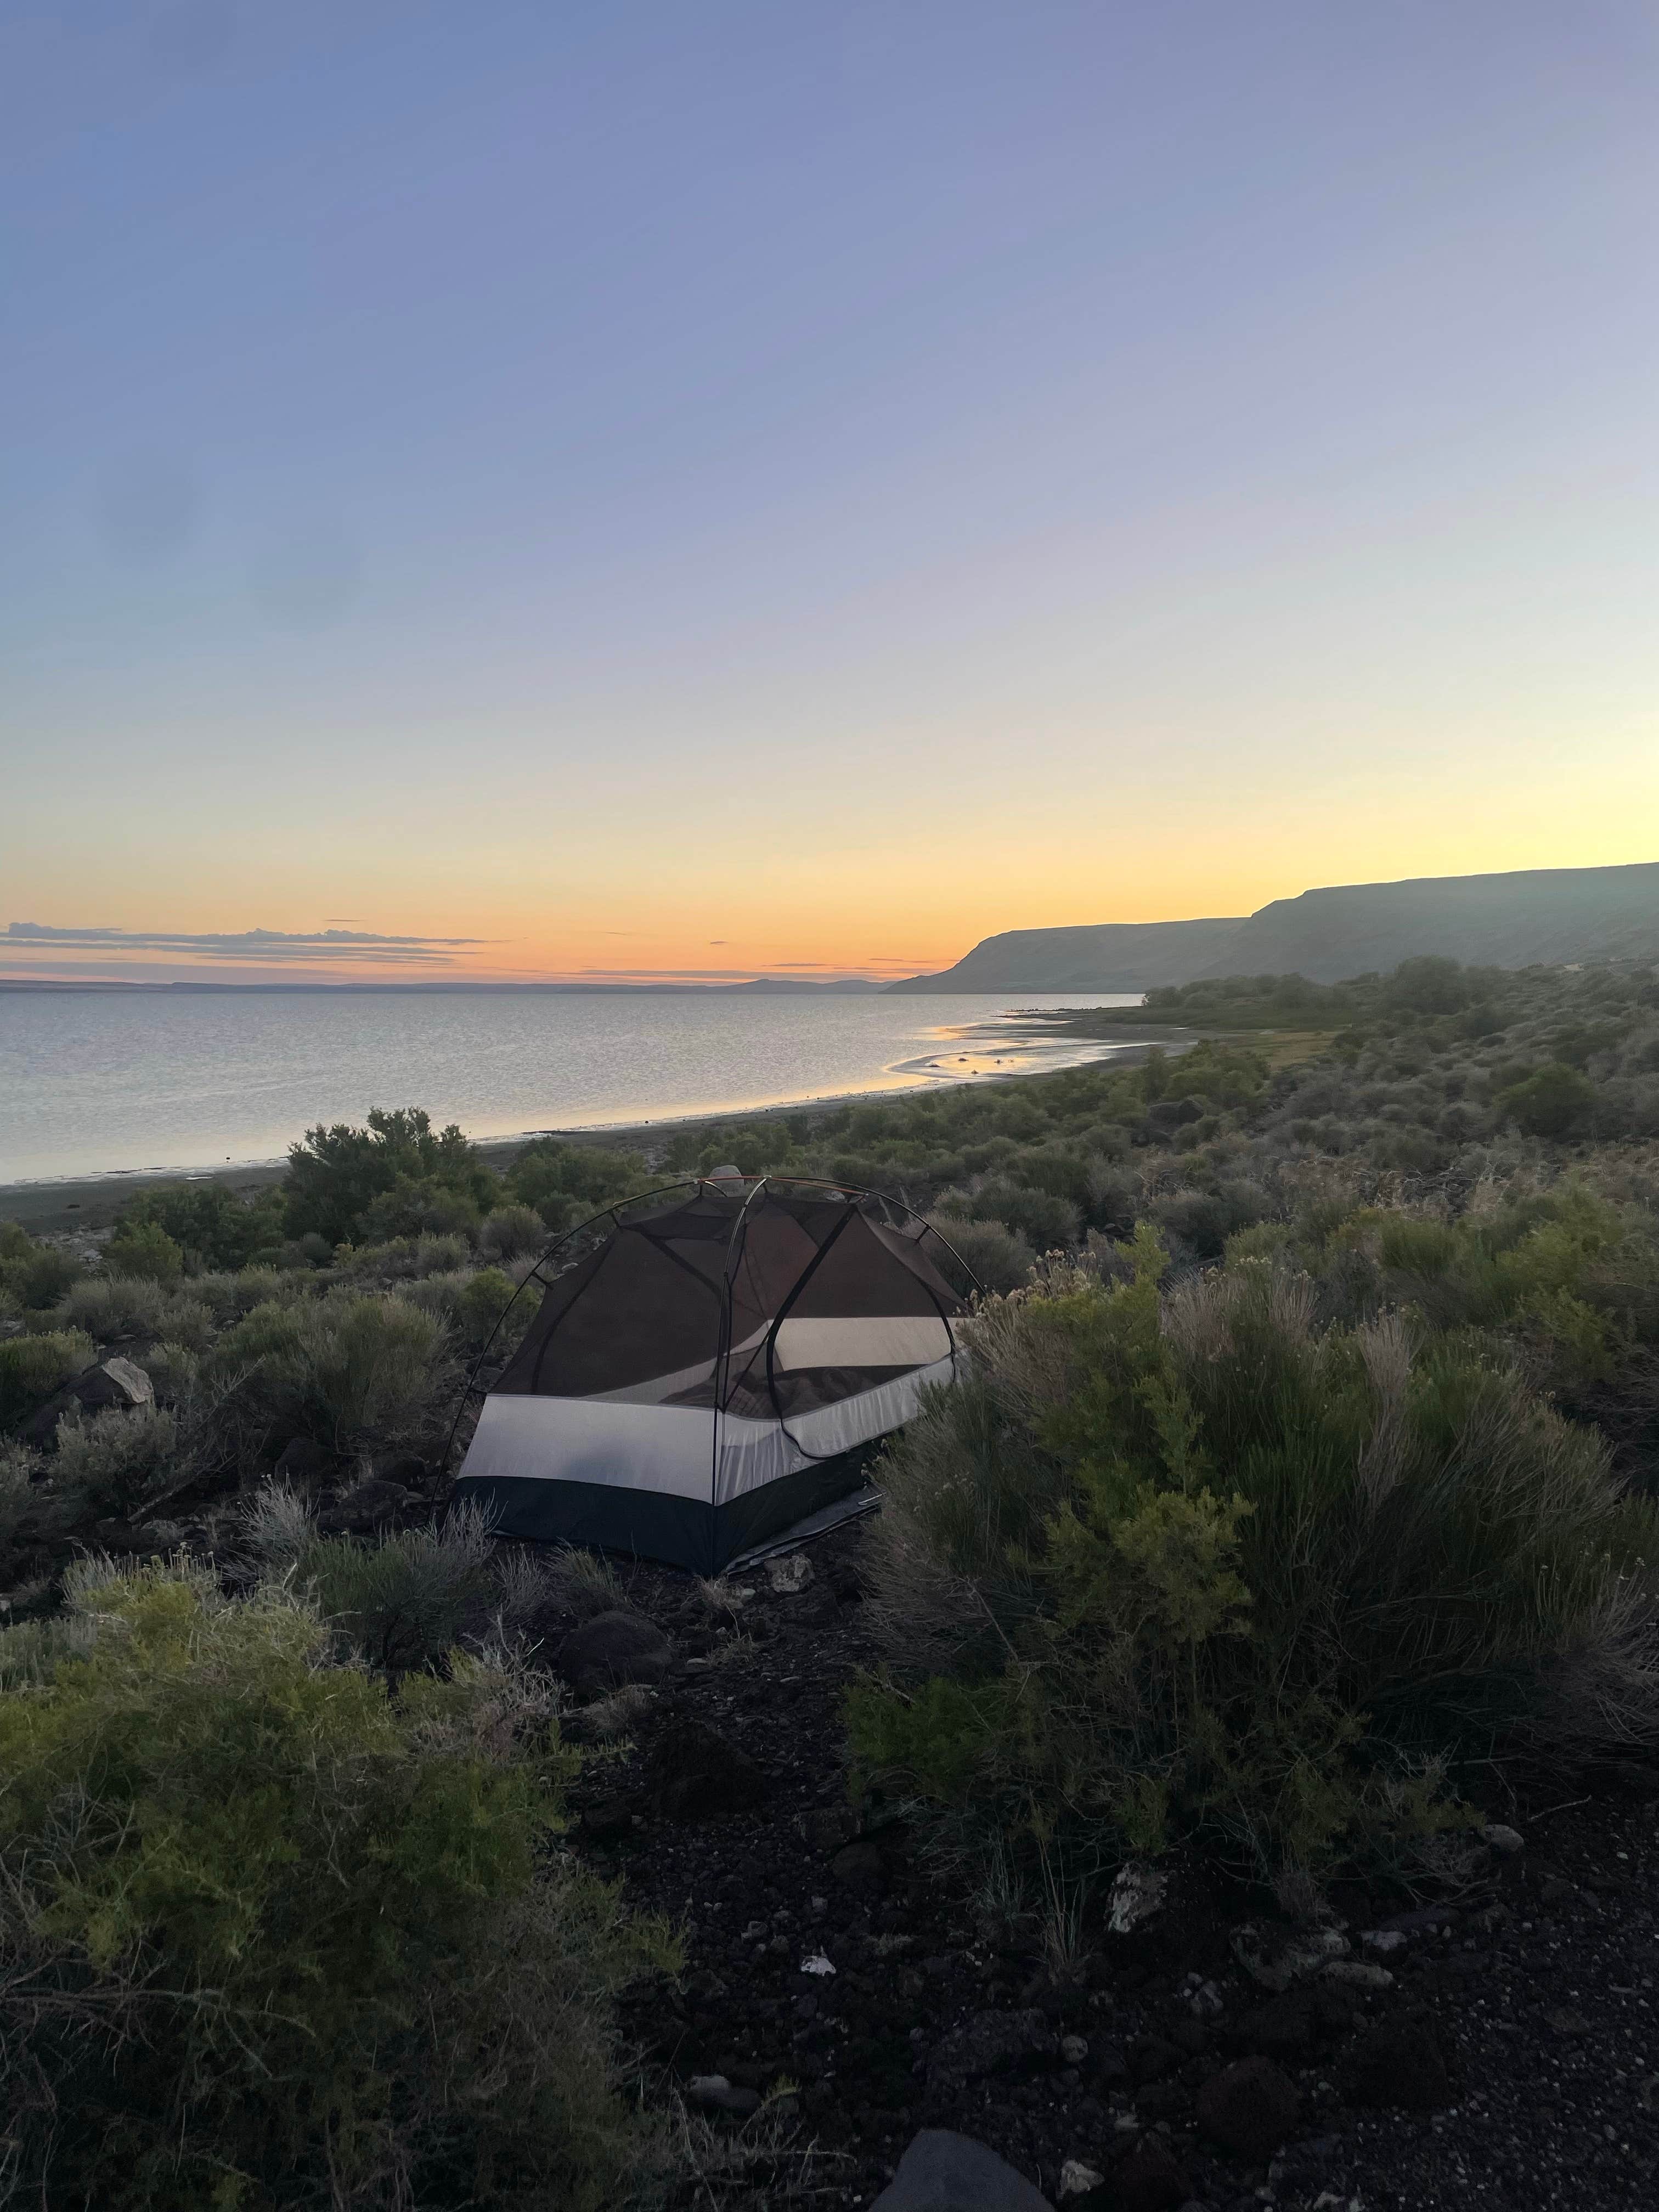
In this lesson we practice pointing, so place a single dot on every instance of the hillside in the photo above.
(1114, 956)
(1532, 916)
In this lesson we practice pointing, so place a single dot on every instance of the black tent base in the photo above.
(649, 1524)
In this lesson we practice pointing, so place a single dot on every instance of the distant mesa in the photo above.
(1543, 917)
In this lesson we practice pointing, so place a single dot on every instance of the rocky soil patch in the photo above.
(1498, 2051)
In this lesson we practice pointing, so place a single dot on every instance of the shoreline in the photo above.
(92, 1200)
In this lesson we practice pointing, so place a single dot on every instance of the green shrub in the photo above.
(1193, 1563)
(423, 1210)
(228, 1296)
(339, 1368)
(402, 1259)
(999, 1259)
(513, 1232)
(35, 1275)
(1047, 1223)
(298, 1943)
(337, 1174)
(213, 1226)
(18, 1471)
(402, 1601)
(1556, 1101)
(144, 1249)
(33, 1367)
(117, 1462)
(561, 1182)
(110, 1307)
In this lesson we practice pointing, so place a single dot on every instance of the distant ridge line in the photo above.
(1525, 917)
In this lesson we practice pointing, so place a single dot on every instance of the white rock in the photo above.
(136, 1388)
(817, 1964)
(1077, 2180)
(1508, 1842)
(706, 2085)
(1137, 1894)
(790, 1575)
(1383, 1939)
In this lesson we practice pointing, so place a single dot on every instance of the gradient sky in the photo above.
(716, 488)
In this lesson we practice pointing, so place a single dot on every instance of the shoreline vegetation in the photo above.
(1289, 1545)
(92, 1201)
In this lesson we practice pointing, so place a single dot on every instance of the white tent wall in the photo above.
(608, 1425)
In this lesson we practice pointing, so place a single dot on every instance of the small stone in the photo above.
(1206, 2001)
(1076, 2179)
(1136, 1895)
(1385, 1940)
(1359, 1974)
(790, 1575)
(1508, 1842)
(817, 1964)
(1074, 2049)
(1250, 2108)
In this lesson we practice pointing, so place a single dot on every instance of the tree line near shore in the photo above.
(1305, 1475)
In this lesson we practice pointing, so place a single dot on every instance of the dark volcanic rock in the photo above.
(1149, 2180)
(860, 1867)
(303, 1462)
(697, 1775)
(1399, 2062)
(942, 2171)
(991, 2043)
(114, 1385)
(610, 1649)
(1250, 2108)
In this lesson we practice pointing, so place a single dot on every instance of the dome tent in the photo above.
(706, 1363)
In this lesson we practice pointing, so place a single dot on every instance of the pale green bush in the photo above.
(403, 1258)
(117, 1462)
(33, 1367)
(403, 1600)
(513, 1232)
(269, 1937)
(338, 1368)
(998, 1259)
(1166, 1565)
(110, 1307)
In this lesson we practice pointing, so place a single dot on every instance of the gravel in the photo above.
(1503, 2053)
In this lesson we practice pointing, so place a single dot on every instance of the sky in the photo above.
(616, 487)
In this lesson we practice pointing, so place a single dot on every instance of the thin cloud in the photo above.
(256, 945)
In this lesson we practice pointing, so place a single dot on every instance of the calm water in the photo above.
(92, 1084)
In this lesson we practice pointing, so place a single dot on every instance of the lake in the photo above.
(95, 1083)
